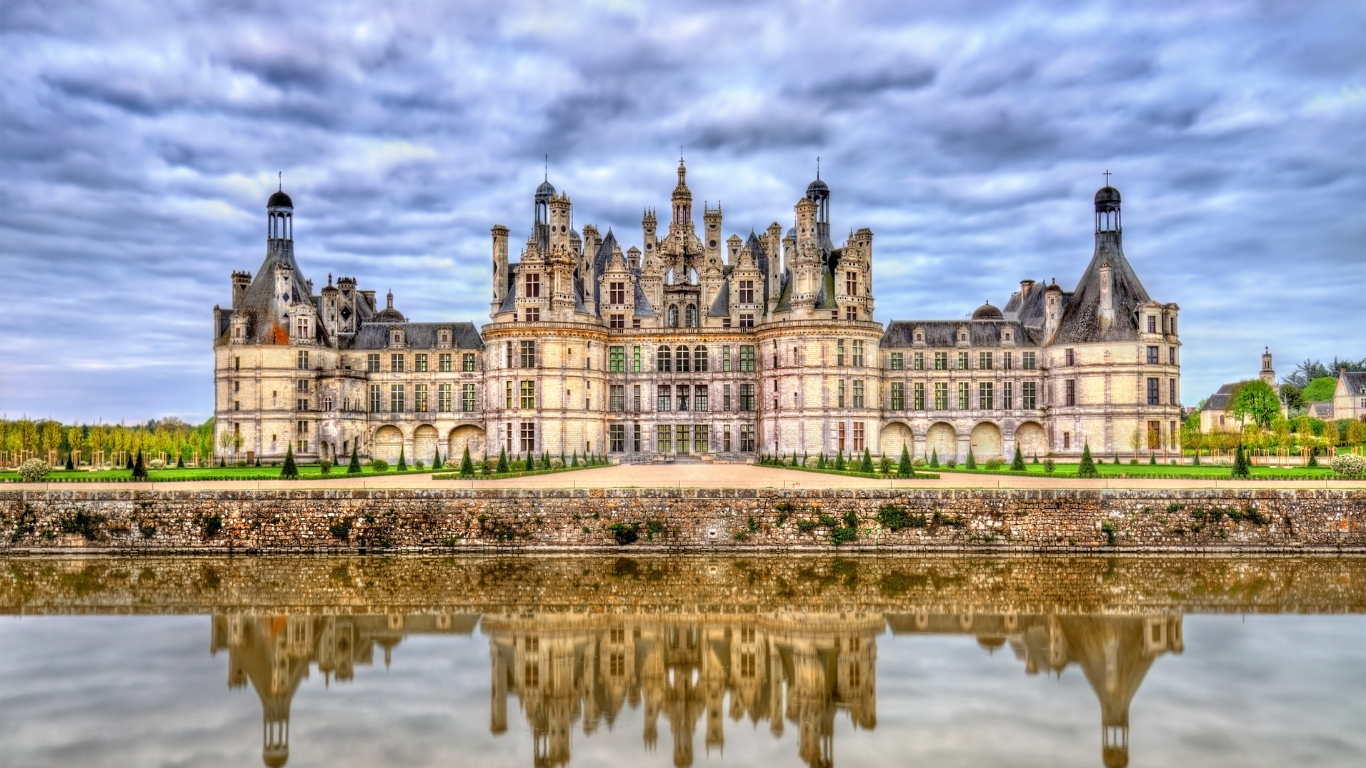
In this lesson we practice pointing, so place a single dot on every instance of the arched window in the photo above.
(673, 316)
(699, 359)
(692, 315)
(663, 362)
(681, 358)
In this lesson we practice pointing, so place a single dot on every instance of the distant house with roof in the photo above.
(1217, 415)
(1349, 399)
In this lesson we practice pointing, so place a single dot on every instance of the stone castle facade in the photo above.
(693, 344)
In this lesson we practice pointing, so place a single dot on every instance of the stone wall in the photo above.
(680, 520)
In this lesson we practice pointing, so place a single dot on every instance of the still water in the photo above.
(675, 661)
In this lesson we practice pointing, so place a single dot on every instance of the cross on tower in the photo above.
(1107, 177)
(281, 175)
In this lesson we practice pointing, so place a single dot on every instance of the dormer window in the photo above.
(396, 337)
(1007, 337)
(301, 328)
(1152, 323)
(445, 337)
(920, 337)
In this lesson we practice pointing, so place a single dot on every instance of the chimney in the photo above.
(1025, 285)
(1107, 302)
(1052, 310)
(241, 281)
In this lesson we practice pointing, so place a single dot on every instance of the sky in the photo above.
(139, 142)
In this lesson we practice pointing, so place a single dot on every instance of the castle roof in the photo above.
(375, 335)
(1081, 317)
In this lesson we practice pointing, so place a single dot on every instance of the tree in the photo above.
(905, 468)
(820, 461)
(502, 460)
(1293, 396)
(574, 462)
(972, 461)
(140, 467)
(934, 458)
(1087, 467)
(1136, 441)
(466, 465)
(402, 461)
(290, 471)
(867, 465)
(1018, 465)
(1240, 467)
(530, 462)
(1256, 400)
(354, 467)
(1356, 433)
(436, 457)
(839, 460)
(1320, 390)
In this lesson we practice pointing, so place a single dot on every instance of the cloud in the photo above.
(138, 145)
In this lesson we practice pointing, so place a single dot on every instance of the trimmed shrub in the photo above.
(34, 470)
(972, 462)
(466, 464)
(934, 458)
(70, 464)
(1017, 464)
(325, 467)
(994, 465)
(354, 467)
(839, 460)
(1049, 466)
(952, 462)
(1087, 467)
(379, 465)
(140, 468)
(289, 470)
(502, 461)
(905, 468)
(1240, 466)
(1344, 465)
(867, 465)
(402, 461)
(156, 464)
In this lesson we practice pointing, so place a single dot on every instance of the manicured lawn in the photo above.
(208, 473)
(1205, 472)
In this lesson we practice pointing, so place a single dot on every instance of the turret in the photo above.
(241, 281)
(1268, 374)
(649, 225)
(1052, 301)
(280, 224)
(559, 220)
(500, 265)
(682, 199)
(711, 234)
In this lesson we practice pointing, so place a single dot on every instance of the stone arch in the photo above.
(388, 443)
(466, 435)
(425, 440)
(986, 441)
(1031, 439)
(895, 435)
(942, 437)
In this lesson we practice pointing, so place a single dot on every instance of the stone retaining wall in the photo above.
(680, 520)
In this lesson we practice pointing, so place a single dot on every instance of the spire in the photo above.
(389, 300)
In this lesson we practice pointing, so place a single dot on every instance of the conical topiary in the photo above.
(1017, 464)
(1240, 465)
(820, 461)
(867, 465)
(131, 465)
(466, 465)
(502, 460)
(1152, 458)
(139, 467)
(70, 465)
(180, 461)
(354, 467)
(402, 460)
(574, 462)
(1087, 467)
(289, 471)
(972, 462)
(222, 463)
(1196, 462)
(1313, 458)
(934, 458)
(1036, 457)
(905, 468)
(839, 460)
(436, 458)
(530, 461)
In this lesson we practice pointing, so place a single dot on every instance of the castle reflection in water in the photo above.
(788, 669)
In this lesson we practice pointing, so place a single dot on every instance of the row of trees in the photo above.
(171, 436)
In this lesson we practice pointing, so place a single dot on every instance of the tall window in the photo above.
(1069, 357)
(635, 438)
(1171, 394)
(984, 360)
(746, 321)
(533, 285)
(528, 399)
(941, 361)
(1028, 399)
(528, 437)
(681, 435)
(467, 362)
(376, 398)
(303, 360)
(663, 360)
(1152, 356)
(858, 394)
(396, 363)
(507, 391)
(664, 438)
(617, 322)
(941, 396)
(858, 353)
(690, 315)
(746, 291)
(725, 358)
(681, 359)
(839, 399)
(664, 400)
(467, 398)
(420, 398)
(616, 443)
(396, 403)
(839, 437)
(985, 397)
(839, 352)
(420, 363)
(616, 293)
(1152, 323)
(1027, 361)
(918, 362)
(918, 396)
(1070, 392)
(1154, 392)
(746, 397)
(858, 437)
(896, 361)
(725, 397)
(1007, 395)
(528, 354)
(443, 362)
(672, 316)
(635, 398)
(682, 397)
(962, 361)
(1007, 360)
(616, 359)
(372, 362)
(747, 438)
(616, 397)
(725, 438)
(699, 398)
(898, 396)
(699, 359)
(635, 359)
(851, 283)
(963, 403)
(850, 312)
(746, 358)
(701, 438)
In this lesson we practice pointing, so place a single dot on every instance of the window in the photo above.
(858, 354)
(1007, 360)
(396, 363)
(699, 359)
(616, 359)
(528, 398)
(690, 316)
(508, 393)
(396, 403)
(237, 363)
(635, 438)
(725, 323)
(300, 427)
(1171, 355)
(663, 360)
(896, 361)
(301, 385)
(1152, 323)
(747, 438)
(839, 352)
(617, 322)
(701, 439)
(443, 362)
(528, 354)
(919, 361)
(372, 362)
(746, 358)
(420, 363)
(898, 396)
(1066, 440)
(1008, 395)
(1070, 392)
(445, 338)
(941, 396)
(1027, 395)
(420, 398)
(962, 361)
(664, 438)
(528, 437)
(858, 437)
(1027, 361)
(1154, 392)
(851, 313)
(1069, 357)
(1152, 356)
(673, 316)
(746, 321)
(725, 438)
(467, 362)
(375, 398)
(1171, 393)
(725, 397)
(985, 396)
(533, 315)
(467, 398)
(851, 283)
(746, 291)
(839, 437)
(616, 293)
(664, 400)
(301, 328)
(616, 443)
(984, 360)
(725, 358)
(919, 396)
(858, 394)
(963, 396)
(681, 359)
(616, 398)
(509, 437)
(635, 398)
(301, 405)
(746, 397)
(699, 398)
(682, 397)
(303, 361)
(839, 400)
(533, 286)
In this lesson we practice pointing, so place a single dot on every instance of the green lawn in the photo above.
(206, 473)
(1166, 471)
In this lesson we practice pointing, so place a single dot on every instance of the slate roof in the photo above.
(1081, 321)
(1355, 381)
(1321, 411)
(1219, 401)
(258, 304)
(944, 333)
(415, 336)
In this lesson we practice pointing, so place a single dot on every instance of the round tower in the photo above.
(1107, 208)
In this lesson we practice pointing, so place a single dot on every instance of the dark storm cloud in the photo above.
(138, 142)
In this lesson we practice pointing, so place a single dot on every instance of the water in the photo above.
(658, 661)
